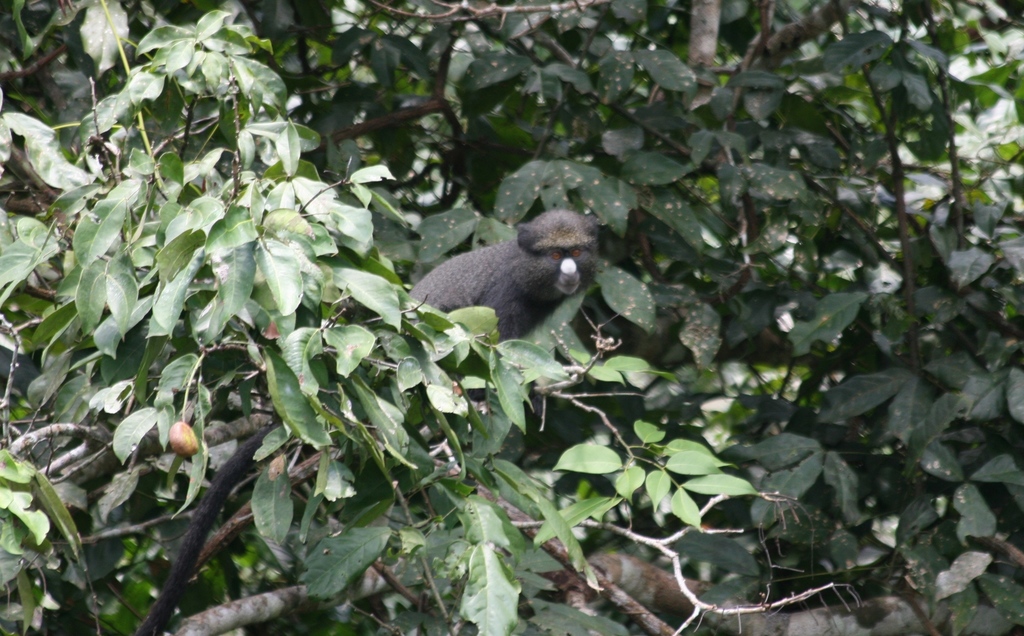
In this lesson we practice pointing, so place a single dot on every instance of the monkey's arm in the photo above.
(195, 536)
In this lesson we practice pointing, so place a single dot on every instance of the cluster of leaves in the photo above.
(827, 288)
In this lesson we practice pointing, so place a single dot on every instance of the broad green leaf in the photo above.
(627, 296)
(910, 408)
(615, 75)
(533, 360)
(939, 461)
(490, 599)
(235, 272)
(775, 183)
(647, 432)
(370, 174)
(628, 482)
(91, 295)
(652, 168)
(855, 50)
(690, 462)
(271, 501)
(702, 333)
(720, 485)
(590, 459)
(99, 40)
(667, 70)
(291, 404)
(442, 232)
(122, 292)
(352, 343)
(58, 513)
(280, 266)
(1000, 469)
(967, 266)
(44, 152)
(684, 507)
(832, 315)
(1006, 594)
(976, 518)
(372, 291)
(387, 418)
(724, 552)
(519, 190)
(658, 484)
(778, 451)
(862, 393)
(844, 482)
(511, 391)
(336, 562)
(171, 299)
(131, 430)
(493, 68)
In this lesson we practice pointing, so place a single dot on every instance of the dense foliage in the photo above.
(811, 268)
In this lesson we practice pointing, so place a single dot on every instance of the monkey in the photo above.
(553, 257)
(524, 280)
(202, 521)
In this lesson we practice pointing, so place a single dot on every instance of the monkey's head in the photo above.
(561, 247)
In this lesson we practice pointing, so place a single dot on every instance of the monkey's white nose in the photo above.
(568, 277)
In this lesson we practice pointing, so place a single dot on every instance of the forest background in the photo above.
(796, 384)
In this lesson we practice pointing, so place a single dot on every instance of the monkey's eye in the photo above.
(556, 256)
(576, 252)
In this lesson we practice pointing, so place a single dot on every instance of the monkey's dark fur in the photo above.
(195, 536)
(524, 280)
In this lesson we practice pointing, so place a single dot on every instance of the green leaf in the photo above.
(511, 390)
(44, 153)
(291, 404)
(976, 518)
(720, 485)
(684, 507)
(652, 168)
(615, 75)
(967, 266)
(336, 562)
(131, 430)
(627, 296)
(371, 174)
(1001, 470)
(490, 599)
(271, 501)
(630, 479)
(91, 294)
(493, 68)
(533, 360)
(280, 266)
(1006, 594)
(352, 343)
(122, 292)
(519, 190)
(832, 315)
(667, 70)
(775, 183)
(937, 460)
(862, 393)
(778, 451)
(58, 513)
(843, 480)
(693, 462)
(658, 484)
(590, 459)
(235, 272)
(171, 299)
(702, 333)
(442, 232)
(648, 433)
(387, 418)
(372, 291)
(910, 407)
(855, 50)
